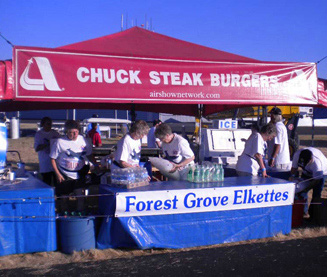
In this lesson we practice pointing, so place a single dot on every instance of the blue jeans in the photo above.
(316, 190)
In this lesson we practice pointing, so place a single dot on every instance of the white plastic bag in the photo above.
(164, 166)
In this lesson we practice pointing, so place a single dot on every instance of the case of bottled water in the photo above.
(129, 177)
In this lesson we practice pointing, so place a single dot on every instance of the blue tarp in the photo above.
(191, 229)
(27, 217)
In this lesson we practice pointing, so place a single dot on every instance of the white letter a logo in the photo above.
(48, 79)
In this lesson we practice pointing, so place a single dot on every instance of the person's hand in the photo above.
(264, 174)
(60, 178)
(272, 162)
(175, 167)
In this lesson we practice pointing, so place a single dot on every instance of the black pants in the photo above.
(49, 178)
(69, 185)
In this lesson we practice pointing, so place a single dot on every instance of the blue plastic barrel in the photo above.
(76, 234)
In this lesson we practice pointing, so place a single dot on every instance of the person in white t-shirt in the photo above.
(154, 142)
(314, 169)
(251, 160)
(176, 149)
(69, 156)
(128, 151)
(278, 149)
(42, 141)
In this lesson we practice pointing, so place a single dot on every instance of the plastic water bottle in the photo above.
(222, 173)
(190, 174)
(130, 177)
(136, 172)
(126, 176)
(201, 174)
(206, 174)
(210, 169)
(145, 174)
(120, 177)
(196, 177)
(215, 174)
(212, 173)
(204, 177)
(113, 176)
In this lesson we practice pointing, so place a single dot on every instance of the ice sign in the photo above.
(227, 124)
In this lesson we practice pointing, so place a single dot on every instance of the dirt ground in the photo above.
(24, 146)
(296, 257)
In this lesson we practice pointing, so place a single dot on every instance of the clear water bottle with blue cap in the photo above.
(114, 176)
(145, 174)
(215, 175)
(221, 172)
(130, 177)
(206, 172)
(190, 173)
(196, 175)
(201, 174)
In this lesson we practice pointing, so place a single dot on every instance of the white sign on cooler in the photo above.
(227, 124)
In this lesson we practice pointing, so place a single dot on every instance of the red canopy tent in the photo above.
(138, 67)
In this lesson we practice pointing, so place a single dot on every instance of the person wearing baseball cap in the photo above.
(276, 111)
(89, 126)
(278, 148)
(251, 161)
(154, 142)
(314, 169)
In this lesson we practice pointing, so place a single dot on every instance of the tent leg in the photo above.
(200, 110)
(133, 114)
(313, 132)
(116, 124)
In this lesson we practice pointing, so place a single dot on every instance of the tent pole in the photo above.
(265, 114)
(258, 116)
(116, 118)
(200, 110)
(133, 114)
(313, 132)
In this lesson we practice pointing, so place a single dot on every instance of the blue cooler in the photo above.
(3, 146)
